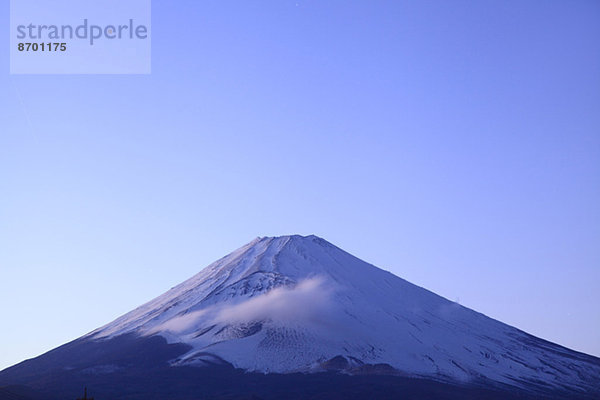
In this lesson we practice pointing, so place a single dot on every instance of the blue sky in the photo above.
(454, 143)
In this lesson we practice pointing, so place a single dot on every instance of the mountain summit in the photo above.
(295, 304)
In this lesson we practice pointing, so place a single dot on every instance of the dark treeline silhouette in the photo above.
(85, 395)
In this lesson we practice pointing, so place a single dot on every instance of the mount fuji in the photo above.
(297, 317)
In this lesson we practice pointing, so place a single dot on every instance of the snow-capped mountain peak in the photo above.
(293, 303)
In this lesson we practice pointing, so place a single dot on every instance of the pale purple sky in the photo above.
(454, 143)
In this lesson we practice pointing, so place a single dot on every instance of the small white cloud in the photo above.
(308, 300)
(180, 323)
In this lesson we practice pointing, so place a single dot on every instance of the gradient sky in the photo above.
(454, 143)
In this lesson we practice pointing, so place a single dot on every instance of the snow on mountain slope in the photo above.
(295, 303)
